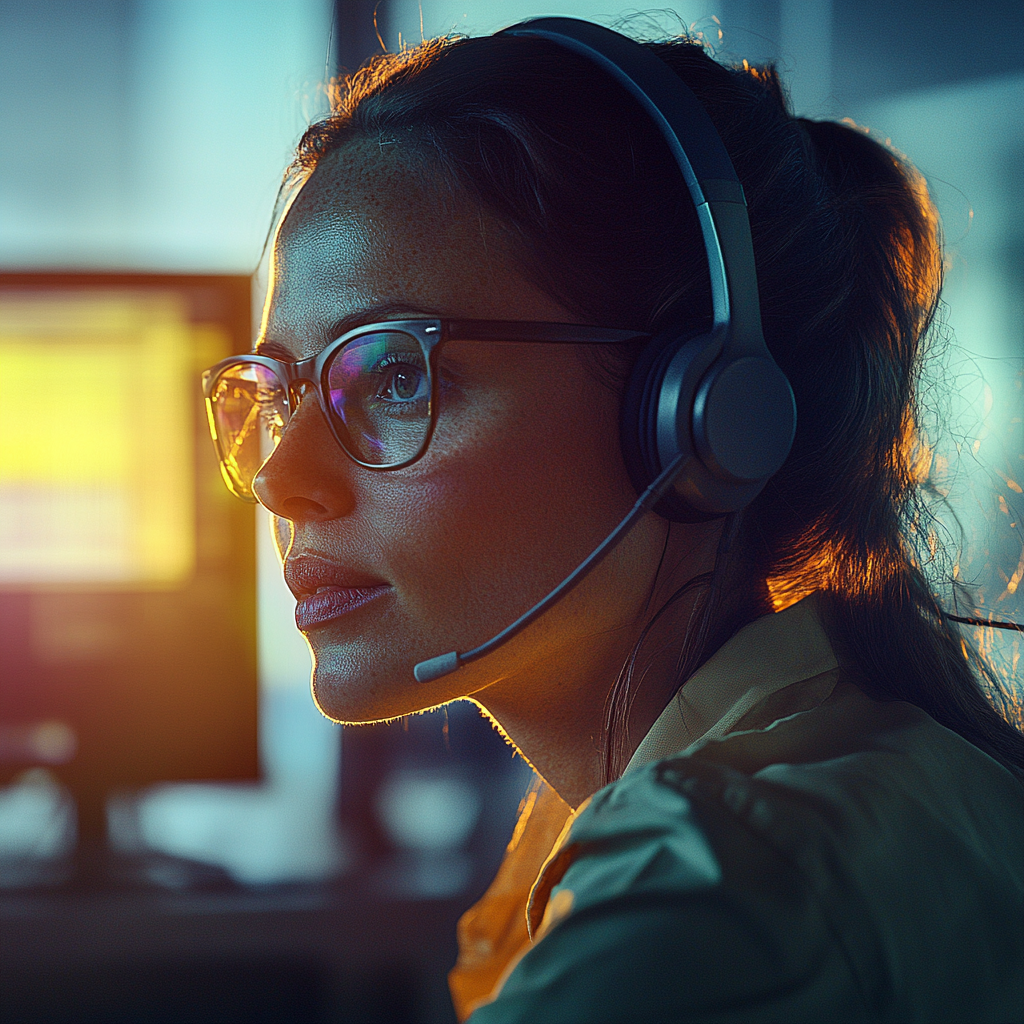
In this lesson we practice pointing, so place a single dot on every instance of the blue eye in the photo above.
(402, 382)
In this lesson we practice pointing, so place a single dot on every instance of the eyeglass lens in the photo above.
(378, 394)
(249, 411)
(378, 387)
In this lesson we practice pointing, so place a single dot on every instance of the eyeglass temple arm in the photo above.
(525, 330)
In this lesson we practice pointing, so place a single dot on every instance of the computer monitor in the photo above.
(127, 571)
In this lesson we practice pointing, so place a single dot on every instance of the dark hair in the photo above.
(849, 268)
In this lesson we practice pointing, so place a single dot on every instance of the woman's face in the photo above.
(522, 479)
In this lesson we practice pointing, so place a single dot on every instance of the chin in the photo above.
(358, 690)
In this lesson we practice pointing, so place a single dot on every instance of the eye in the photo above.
(400, 381)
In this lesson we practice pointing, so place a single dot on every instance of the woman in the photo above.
(785, 793)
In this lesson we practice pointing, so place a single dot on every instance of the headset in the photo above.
(706, 419)
(718, 398)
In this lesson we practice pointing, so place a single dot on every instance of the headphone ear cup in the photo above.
(641, 403)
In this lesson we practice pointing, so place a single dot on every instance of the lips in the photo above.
(324, 590)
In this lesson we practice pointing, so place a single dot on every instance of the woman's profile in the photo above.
(773, 781)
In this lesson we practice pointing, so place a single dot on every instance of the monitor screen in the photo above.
(127, 571)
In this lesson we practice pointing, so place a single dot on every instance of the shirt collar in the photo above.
(763, 657)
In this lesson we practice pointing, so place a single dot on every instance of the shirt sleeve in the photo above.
(667, 957)
(666, 903)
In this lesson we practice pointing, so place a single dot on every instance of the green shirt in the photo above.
(781, 848)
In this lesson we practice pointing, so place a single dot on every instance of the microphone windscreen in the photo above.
(434, 668)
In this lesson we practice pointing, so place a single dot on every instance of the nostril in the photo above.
(298, 508)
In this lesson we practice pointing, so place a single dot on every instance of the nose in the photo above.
(307, 479)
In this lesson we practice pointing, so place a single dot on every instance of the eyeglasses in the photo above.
(376, 386)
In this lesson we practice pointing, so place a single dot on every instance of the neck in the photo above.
(554, 712)
(555, 717)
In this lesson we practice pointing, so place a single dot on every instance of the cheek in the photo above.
(501, 509)
(282, 533)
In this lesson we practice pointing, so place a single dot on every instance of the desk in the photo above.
(304, 955)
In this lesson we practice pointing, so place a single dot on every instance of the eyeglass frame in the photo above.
(429, 333)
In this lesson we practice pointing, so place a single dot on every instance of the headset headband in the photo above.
(695, 144)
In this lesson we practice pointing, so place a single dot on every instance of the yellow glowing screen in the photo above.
(97, 438)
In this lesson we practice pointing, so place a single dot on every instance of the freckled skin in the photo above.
(522, 479)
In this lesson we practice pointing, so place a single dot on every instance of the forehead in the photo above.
(373, 229)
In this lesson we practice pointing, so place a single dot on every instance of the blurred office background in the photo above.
(150, 136)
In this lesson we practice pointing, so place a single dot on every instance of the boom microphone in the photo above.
(444, 664)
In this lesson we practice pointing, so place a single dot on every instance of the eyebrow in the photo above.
(357, 318)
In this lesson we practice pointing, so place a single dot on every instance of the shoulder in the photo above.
(778, 874)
